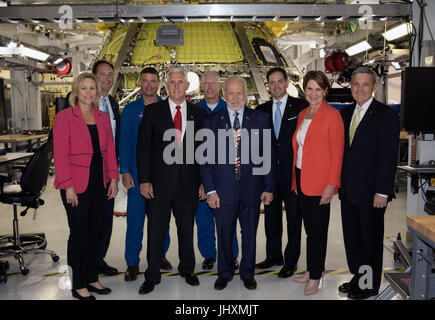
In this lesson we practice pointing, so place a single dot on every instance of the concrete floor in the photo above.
(46, 279)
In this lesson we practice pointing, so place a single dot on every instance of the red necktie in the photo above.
(177, 124)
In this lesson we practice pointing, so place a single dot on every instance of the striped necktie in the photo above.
(236, 128)
(355, 122)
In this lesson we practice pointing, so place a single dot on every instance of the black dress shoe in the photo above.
(348, 287)
(208, 264)
(269, 263)
(131, 273)
(107, 270)
(191, 279)
(221, 283)
(250, 283)
(166, 265)
(362, 294)
(76, 295)
(147, 286)
(99, 291)
(287, 272)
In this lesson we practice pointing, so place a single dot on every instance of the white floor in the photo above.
(46, 279)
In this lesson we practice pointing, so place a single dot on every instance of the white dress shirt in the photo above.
(281, 107)
(364, 107)
(300, 138)
(111, 115)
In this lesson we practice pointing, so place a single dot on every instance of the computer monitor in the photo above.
(418, 99)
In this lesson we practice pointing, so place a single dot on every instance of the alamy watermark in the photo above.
(66, 17)
(366, 21)
(220, 148)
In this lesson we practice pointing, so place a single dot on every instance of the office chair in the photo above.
(32, 184)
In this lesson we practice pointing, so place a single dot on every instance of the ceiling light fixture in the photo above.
(398, 32)
(23, 51)
(358, 48)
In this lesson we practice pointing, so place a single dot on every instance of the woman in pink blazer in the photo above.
(86, 174)
(318, 145)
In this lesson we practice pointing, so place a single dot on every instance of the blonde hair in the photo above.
(75, 87)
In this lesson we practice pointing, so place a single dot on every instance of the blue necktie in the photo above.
(106, 110)
(277, 119)
(105, 106)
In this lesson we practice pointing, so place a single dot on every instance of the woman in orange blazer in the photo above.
(318, 145)
(86, 174)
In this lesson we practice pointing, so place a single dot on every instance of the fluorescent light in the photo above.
(396, 65)
(12, 49)
(6, 51)
(397, 32)
(31, 53)
(358, 48)
(58, 61)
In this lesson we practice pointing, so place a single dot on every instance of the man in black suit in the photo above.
(283, 111)
(367, 182)
(103, 71)
(170, 184)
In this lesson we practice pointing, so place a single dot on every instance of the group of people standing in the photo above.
(315, 152)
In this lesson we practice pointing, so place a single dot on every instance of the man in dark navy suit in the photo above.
(367, 182)
(283, 111)
(235, 181)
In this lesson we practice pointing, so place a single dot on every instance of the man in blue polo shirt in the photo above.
(212, 102)
(130, 120)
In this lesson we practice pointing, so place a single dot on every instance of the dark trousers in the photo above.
(316, 223)
(106, 226)
(226, 220)
(84, 240)
(363, 231)
(273, 224)
(159, 214)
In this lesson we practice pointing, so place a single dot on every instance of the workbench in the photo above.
(422, 283)
(13, 139)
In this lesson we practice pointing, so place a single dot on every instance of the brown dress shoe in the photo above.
(131, 273)
(166, 265)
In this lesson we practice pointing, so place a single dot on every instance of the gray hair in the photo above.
(175, 70)
(365, 70)
(215, 73)
(234, 78)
